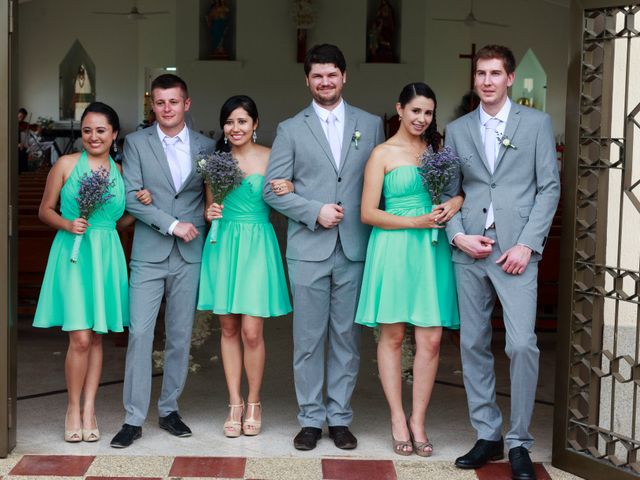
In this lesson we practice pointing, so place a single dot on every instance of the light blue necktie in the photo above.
(490, 140)
(334, 138)
(172, 158)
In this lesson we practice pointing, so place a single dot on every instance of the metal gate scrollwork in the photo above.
(602, 397)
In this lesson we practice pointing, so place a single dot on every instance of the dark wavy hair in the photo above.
(237, 101)
(324, 53)
(420, 89)
(109, 113)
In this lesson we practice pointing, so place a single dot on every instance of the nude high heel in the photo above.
(91, 434)
(251, 426)
(423, 449)
(233, 428)
(71, 436)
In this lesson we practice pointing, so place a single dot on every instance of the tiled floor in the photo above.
(121, 468)
(41, 453)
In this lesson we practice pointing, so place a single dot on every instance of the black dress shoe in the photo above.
(482, 452)
(173, 424)
(126, 436)
(521, 464)
(343, 438)
(307, 438)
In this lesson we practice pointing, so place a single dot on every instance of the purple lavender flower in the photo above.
(222, 174)
(437, 169)
(93, 193)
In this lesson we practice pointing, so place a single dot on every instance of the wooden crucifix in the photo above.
(470, 57)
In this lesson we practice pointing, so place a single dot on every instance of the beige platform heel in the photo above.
(251, 426)
(232, 428)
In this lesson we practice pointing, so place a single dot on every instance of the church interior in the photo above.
(72, 52)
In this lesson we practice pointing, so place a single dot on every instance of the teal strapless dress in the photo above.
(242, 272)
(406, 278)
(92, 293)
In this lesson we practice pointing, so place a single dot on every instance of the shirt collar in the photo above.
(502, 115)
(183, 135)
(323, 113)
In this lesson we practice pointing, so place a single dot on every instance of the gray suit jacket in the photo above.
(145, 166)
(301, 153)
(524, 187)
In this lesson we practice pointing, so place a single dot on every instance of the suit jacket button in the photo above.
(176, 196)
(484, 210)
(339, 179)
(340, 203)
(493, 185)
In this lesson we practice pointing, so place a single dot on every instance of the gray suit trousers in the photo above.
(148, 282)
(325, 295)
(478, 284)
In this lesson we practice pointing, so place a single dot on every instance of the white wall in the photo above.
(156, 44)
(266, 68)
(266, 43)
(48, 28)
(536, 24)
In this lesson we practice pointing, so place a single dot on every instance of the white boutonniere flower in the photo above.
(506, 142)
(356, 136)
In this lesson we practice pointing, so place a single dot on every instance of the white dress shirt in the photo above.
(502, 116)
(339, 113)
(183, 154)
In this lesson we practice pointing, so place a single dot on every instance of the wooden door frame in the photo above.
(8, 225)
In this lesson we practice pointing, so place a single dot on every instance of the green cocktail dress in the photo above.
(242, 272)
(406, 278)
(92, 293)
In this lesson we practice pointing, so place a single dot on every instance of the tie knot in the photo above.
(168, 141)
(492, 124)
(331, 119)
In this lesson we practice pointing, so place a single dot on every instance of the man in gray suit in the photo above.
(323, 151)
(509, 176)
(165, 259)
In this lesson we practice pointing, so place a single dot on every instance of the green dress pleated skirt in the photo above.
(406, 278)
(242, 272)
(92, 293)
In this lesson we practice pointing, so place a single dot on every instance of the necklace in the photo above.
(417, 154)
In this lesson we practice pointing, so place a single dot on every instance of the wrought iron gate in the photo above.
(597, 415)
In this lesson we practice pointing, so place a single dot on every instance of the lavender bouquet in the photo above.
(92, 194)
(437, 169)
(222, 174)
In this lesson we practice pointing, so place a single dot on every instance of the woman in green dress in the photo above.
(406, 279)
(90, 297)
(242, 278)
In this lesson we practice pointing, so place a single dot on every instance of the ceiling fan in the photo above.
(470, 20)
(134, 13)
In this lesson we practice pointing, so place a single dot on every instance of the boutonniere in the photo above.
(356, 136)
(506, 142)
